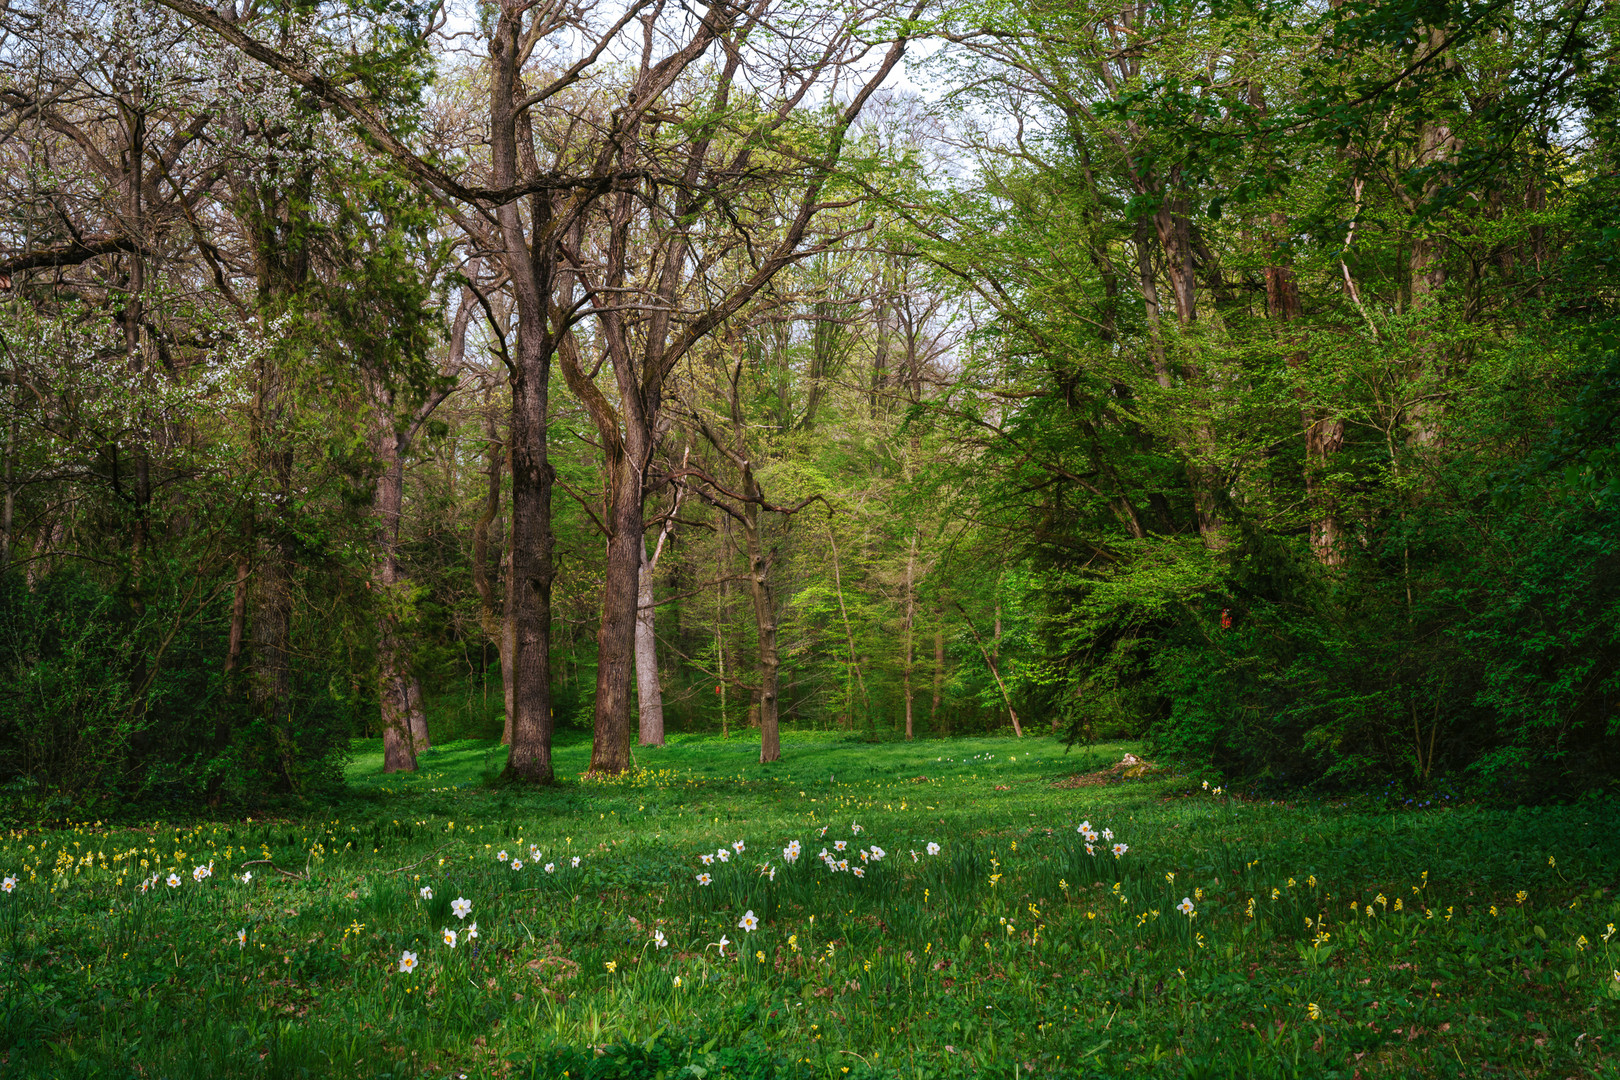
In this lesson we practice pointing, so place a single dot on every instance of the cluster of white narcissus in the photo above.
(199, 874)
(1091, 837)
(791, 853)
(535, 856)
(460, 907)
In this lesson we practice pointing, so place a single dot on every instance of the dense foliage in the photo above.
(1244, 377)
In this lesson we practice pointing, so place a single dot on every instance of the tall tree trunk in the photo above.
(532, 542)
(1323, 435)
(508, 646)
(271, 686)
(490, 618)
(530, 270)
(415, 710)
(8, 507)
(1197, 444)
(405, 732)
(233, 656)
(1174, 231)
(239, 606)
(911, 618)
(391, 594)
(628, 435)
(1427, 270)
(770, 665)
(616, 633)
(939, 671)
(853, 675)
(649, 694)
(722, 612)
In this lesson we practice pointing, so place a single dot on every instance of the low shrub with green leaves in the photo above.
(927, 909)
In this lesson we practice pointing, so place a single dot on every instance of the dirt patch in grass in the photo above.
(1130, 767)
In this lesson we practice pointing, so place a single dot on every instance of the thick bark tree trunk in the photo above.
(532, 541)
(508, 647)
(530, 270)
(416, 710)
(616, 634)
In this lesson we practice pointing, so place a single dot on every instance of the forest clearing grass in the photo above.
(1226, 938)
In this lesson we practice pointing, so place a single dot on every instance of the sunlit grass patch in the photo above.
(937, 909)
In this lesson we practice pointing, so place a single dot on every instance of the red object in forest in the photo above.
(1226, 618)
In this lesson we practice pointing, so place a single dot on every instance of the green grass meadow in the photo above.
(1230, 937)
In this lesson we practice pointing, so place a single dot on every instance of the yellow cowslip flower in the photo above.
(1448, 914)
(1062, 884)
(1551, 861)
(612, 966)
(1313, 1011)
(1610, 934)
(1397, 903)
(1290, 883)
(1275, 892)
(1521, 896)
(1170, 876)
(1493, 910)
(1380, 901)
(1369, 911)
(1311, 881)
(1581, 943)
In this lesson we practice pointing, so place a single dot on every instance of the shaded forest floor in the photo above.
(607, 936)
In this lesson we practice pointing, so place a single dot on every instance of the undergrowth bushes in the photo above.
(104, 700)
